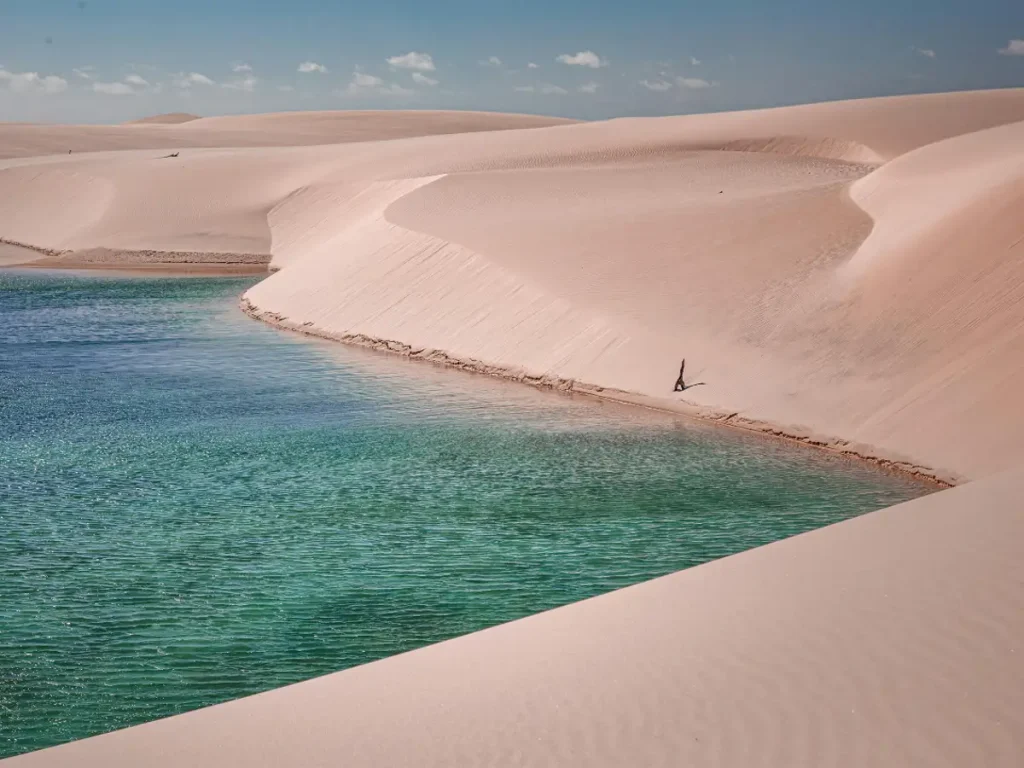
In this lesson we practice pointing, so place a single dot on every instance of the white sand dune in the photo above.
(170, 118)
(286, 129)
(848, 274)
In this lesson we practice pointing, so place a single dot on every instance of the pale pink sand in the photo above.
(895, 639)
(16, 255)
(285, 129)
(850, 274)
(171, 118)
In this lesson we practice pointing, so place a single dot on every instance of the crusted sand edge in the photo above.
(834, 445)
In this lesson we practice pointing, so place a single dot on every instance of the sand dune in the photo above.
(276, 130)
(848, 274)
(171, 118)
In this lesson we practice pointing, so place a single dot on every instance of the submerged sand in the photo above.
(847, 274)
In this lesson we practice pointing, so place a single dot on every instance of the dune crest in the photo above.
(171, 118)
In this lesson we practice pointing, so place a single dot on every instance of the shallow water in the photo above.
(196, 507)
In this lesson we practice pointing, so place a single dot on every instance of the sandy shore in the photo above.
(155, 269)
(849, 275)
(148, 262)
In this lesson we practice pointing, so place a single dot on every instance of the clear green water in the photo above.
(196, 507)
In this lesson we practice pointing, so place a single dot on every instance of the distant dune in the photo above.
(286, 129)
(847, 274)
(172, 118)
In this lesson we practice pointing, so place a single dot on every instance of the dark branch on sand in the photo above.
(682, 386)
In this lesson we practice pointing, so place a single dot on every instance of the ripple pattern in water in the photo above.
(195, 507)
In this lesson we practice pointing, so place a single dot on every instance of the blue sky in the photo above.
(112, 60)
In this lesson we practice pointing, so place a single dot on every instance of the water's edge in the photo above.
(834, 445)
(200, 507)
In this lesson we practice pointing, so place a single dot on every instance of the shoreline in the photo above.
(721, 417)
(210, 264)
(153, 262)
(835, 446)
(156, 269)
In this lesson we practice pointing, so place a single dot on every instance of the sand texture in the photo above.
(848, 274)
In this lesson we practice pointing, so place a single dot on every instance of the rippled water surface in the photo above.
(196, 507)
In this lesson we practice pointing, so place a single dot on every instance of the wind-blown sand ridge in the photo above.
(846, 274)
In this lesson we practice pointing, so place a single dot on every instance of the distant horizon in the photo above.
(195, 116)
(112, 61)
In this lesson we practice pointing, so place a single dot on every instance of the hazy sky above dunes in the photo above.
(113, 60)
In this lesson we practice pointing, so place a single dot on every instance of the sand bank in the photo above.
(157, 262)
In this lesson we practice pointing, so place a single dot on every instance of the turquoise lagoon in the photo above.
(196, 507)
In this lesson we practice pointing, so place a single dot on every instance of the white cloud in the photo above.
(694, 83)
(308, 67)
(589, 87)
(23, 82)
(491, 61)
(422, 79)
(531, 65)
(83, 72)
(54, 84)
(423, 62)
(694, 61)
(363, 80)
(364, 83)
(239, 68)
(926, 52)
(286, 88)
(185, 81)
(136, 80)
(524, 89)
(583, 59)
(113, 89)
(656, 85)
(552, 90)
(1013, 48)
(247, 84)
